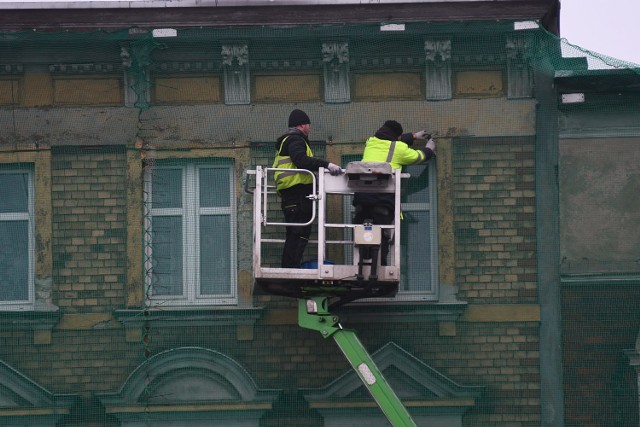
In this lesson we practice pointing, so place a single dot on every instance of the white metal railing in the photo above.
(324, 185)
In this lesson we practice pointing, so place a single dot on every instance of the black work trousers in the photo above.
(379, 215)
(296, 209)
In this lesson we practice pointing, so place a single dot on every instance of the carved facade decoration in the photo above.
(10, 69)
(335, 62)
(438, 69)
(237, 81)
(136, 61)
(519, 73)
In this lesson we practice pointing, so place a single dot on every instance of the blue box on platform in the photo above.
(313, 263)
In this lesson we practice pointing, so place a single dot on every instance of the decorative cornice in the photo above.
(29, 320)
(215, 66)
(479, 59)
(188, 316)
(74, 69)
(286, 64)
(401, 312)
(188, 67)
(11, 69)
(403, 61)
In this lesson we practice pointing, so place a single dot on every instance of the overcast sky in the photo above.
(608, 27)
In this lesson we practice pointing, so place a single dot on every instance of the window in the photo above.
(16, 237)
(190, 231)
(418, 250)
(197, 387)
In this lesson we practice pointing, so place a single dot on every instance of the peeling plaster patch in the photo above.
(44, 289)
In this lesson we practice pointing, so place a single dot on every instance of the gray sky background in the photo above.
(608, 27)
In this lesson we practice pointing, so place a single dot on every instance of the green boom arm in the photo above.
(313, 314)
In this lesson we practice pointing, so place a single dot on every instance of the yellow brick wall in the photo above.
(291, 88)
(37, 90)
(43, 89)
(484, 83)
(9, 92)
(381, 86)
(87, 91)
(180, 90)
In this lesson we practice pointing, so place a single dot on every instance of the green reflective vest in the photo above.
(287, 179)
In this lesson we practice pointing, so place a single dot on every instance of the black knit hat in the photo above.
(394, 127)
(298, 117)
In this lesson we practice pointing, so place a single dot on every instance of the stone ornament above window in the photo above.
(237, 79)
(335, 61)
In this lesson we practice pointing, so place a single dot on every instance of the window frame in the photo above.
(191, 212)
(432, 208)
(27, 304)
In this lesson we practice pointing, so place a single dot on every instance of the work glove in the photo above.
(422, 135)
(431, 144)
(334, 169)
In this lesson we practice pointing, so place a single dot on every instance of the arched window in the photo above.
(189, 386)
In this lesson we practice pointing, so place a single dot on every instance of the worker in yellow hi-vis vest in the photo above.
(293, 152)
(391, 145)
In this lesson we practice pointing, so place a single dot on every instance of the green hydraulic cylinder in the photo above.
(313, 314)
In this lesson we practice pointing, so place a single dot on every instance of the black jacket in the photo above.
(295, 147)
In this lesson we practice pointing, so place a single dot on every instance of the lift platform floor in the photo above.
(352, 290)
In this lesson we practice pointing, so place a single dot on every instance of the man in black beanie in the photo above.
(294, 152)
(298, 117)
(389, 145)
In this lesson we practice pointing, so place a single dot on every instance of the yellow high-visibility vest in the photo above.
(396, 153)
(287, 179)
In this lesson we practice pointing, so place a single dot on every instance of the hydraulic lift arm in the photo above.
(313, 313)
(363, 276)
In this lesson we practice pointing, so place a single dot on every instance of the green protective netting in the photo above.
(126, 227)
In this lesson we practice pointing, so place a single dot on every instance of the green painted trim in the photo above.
(189, 408)
(600, 132)
(599, 279)
(548, 242)
(32, 412)
(440, 403)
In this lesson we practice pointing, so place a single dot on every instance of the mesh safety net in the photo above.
(129, 299)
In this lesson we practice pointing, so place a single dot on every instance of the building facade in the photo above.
(128, 296)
